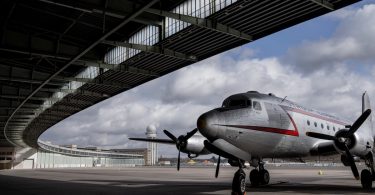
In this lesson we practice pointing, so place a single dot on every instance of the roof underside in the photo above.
(40, 37)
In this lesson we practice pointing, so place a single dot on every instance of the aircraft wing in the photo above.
(163, 141)
(324, 148)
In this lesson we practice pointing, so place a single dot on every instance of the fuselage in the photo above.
(267, 126)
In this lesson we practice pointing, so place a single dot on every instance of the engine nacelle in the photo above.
(195, 146)
(357, 145)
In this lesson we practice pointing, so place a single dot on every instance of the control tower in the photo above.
(152, 148)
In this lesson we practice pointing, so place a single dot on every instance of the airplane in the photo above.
(251, 126)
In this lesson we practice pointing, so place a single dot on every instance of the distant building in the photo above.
(152, 148)
(140, 151)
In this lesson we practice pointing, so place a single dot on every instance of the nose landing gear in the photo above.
(239, 182)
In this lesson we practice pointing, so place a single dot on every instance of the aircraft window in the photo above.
(315, 124)
(256, 105)
(240, 103)
(334, 129)
(328, 127)
(237, 103)
(308, 122)
(322, 126)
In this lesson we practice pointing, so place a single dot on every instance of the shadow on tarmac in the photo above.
(20, 185)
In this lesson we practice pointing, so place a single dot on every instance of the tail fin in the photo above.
(366, 105)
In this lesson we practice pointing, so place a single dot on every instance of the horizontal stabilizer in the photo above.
(163, 141)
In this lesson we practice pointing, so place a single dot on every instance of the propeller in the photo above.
(180, 142)
(217, 167)
(343, 138)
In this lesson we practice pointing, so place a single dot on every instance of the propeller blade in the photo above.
(321, 136)
(178, 159)
(191, 133)
(217, 167)
(352, 163)
(170, 135)
(359, 122)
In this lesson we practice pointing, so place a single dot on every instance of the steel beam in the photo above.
(324, 3)
(76, 91)
(19, 120)
(25, 123)
(204, 23)
(153, 49)
(27, 106)
(21, 97)
(107, 12)
(68, 79)
(65, 107)
(118, 67)
(23, 80)
(88, 63)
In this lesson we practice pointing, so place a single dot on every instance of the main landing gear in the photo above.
(258, 177)
(367, 176)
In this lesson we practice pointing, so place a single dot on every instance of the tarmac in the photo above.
(162, 180)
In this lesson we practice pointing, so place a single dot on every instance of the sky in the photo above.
(325, 64)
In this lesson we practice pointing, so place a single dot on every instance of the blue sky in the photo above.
(278, 43)
(325, 63)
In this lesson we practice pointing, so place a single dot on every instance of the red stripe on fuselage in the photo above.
(270, 129)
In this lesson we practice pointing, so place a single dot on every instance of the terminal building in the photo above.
(53, 156)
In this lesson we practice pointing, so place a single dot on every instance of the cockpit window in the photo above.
(238, 103)
(256, 105)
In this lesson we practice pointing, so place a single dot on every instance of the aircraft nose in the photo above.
(206, 124)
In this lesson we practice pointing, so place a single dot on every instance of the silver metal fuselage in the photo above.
(277, 129)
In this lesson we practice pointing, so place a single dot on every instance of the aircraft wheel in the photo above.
(239, 183)
(366, 179)
(254, 178)
(264, 177)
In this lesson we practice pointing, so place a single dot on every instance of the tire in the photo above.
(254, 178)
(264, 177)
(366, 179)
(239, 183)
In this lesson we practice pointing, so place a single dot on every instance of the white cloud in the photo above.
(353, 40)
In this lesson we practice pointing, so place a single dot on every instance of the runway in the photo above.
(156, 180)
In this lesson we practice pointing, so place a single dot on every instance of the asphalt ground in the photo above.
(161, 180)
